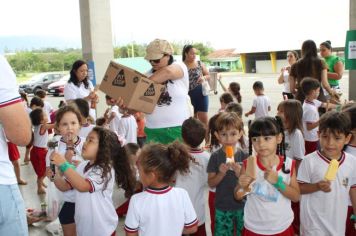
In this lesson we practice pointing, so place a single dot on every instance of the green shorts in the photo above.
(164, 135)
(225, 221)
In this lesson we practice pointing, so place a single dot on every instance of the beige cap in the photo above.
(157, 48)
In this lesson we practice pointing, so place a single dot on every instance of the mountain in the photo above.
(29, 42)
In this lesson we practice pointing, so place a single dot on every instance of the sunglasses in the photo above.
(156, 61)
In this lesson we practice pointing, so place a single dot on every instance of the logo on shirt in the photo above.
(119, 80)
(150, 91)
(345, 182)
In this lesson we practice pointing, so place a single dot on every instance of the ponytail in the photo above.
(281, 149)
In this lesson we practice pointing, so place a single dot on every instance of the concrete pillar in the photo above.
(352, 73)
(273, 56)
(97, 45)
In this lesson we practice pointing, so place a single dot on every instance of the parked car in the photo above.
(40, 81)
(218, 69)
(57, 88)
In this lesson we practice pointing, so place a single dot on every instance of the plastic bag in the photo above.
(54, 201)
(205, 87)
(265, 191)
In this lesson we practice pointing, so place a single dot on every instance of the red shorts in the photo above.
(14, 154)
(38, 160)
(287, 232)
(350, 229)
(310, 147)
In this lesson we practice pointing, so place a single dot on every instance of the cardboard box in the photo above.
(138, 92)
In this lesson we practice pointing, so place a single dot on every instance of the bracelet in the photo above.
(353, 217)
(65, 166)
(280, 185)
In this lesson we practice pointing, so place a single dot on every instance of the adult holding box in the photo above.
(163, 125)
(79, 86)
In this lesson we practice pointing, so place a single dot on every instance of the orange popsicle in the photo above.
(229, 151)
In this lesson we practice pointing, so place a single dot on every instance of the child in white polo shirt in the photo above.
(261, 104)
(161, 210)
(311, 90)
(323, 206)
(193, 134)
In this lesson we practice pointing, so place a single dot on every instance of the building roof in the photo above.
(223, 53)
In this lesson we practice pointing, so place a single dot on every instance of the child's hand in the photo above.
(245, 180)
(324, 186)
(236, 167)
(271, 176)
(223, 168)
(49, 172)
(69, 155)
(57, 159)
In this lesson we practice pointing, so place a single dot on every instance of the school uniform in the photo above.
(195, 183)
(39, 151)
(261, 103)
(94, 210)
(85, 130)
(66, 215)
(350, 228)
(160, 212)
(14, 153)
(325, 213)
(127, 128)
(269, 214)
(294, 144)
(311, 115)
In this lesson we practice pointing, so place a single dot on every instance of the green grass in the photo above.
(23, 77)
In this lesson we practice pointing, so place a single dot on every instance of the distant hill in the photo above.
(15, 43)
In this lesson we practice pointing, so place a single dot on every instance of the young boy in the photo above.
(223, 174)
(112, 114)
(83, 107)
(311, 90)
(261, 104)
(351, 148)
(47, 106)
(193, 134)
(323, 206)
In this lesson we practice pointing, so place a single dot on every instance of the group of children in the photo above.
(252, 179)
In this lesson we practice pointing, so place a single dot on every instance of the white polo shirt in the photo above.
(114, 123)
(8, 95)
(95, 213)
(127, 128)
(160, 212)
(294, 143)
(261, 103)
(311, 115)
(196, 182)
(71, 92)
(68, 196)
(40, 139)
(266, 217)
(325, 213)
(85, 130)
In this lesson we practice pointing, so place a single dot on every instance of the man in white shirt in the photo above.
(15, 126)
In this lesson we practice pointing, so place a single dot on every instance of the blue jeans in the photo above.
(12, 211)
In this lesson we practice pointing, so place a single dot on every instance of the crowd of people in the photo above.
(275, 177)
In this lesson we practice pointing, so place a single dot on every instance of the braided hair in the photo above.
(269, 126)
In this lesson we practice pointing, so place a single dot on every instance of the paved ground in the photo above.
(272, 89)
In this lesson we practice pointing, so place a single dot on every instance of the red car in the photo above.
(57, 88)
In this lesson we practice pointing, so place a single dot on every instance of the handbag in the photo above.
(205, 87)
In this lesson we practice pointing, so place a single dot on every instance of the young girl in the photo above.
(130, 151)
(234, 89)
(161, 209)
(70, 145)
(267, 210)
(39, 150)
(225, 99)
(291, 113)
(94, 181)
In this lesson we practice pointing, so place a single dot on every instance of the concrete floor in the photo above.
(272, 89)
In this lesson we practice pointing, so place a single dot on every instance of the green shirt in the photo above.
(331, 61)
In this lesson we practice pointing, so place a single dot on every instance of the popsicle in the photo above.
(229, 151)
(251, 166)
(332, 170)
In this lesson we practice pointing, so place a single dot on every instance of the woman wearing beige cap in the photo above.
(163, 125)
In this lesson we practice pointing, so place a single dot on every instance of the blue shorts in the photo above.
(66, 215)
(12, 211)
(199, 102)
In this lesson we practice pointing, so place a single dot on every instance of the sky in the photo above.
(249, 25)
